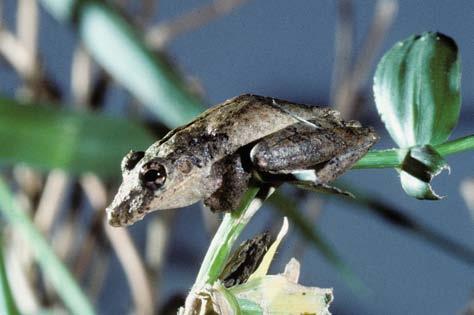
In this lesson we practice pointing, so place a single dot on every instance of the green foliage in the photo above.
(7, 303)
(55, 271)
(48, 138)
(117, 47)
(391, 158)
(222, 242)
(417, 89)
(417, 93)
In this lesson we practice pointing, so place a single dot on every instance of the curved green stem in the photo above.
(392, 158)
(221, 245)
(230, 228)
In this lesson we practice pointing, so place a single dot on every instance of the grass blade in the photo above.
(7, 303)
(230, 228)
(48, 138)
(54, 270)
(119, 49)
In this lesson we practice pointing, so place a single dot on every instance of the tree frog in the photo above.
(214, 157)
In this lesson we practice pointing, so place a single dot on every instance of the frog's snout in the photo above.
(117, 218)
(113, 217)
(126, 209)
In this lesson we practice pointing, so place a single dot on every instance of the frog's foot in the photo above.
(304, 179)
(224, 200)
(235, 181)
(324, 188)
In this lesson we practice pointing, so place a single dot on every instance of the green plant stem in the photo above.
(455, 146)
(221, 245)
(233, 223)
(54, 270)
(392, 158)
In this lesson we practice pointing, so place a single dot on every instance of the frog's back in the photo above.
(243, 120)
(248, 117)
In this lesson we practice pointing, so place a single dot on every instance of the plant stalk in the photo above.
(393, 158)
(230, 228)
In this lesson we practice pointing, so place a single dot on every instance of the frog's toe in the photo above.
(324, 188)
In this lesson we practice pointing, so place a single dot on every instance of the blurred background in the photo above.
(80, 88)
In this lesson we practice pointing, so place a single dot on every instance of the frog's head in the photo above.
(153, 183)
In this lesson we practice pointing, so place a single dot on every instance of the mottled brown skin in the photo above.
(212, 158)
(245, 260)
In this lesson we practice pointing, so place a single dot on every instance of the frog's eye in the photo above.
(131, 159)
(152, 175)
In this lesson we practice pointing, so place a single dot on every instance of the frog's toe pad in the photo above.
(325, 188)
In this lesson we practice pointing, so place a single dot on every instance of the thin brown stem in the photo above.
(467, 192)
(385, 11)
(138, 280)
(27, 26)
(55, 191)
(81, 77)
(20, 279)
(160, 35)
(158, 231)
(344, 37)
(15, 53)
(123, 245)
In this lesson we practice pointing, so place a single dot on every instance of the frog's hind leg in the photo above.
(302, 153)
(235, 181)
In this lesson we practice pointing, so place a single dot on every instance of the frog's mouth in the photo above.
(128, 208)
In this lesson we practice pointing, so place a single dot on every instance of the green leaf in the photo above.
(221, 245)
(421, 164)
(7, 302)
(48, 138)
(417, 89)
(417, 93)
(54, 270)
(120, 50)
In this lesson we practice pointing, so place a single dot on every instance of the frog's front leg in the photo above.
(304, 153)
(235, 180)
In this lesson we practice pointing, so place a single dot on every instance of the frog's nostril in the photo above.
(113, 218)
